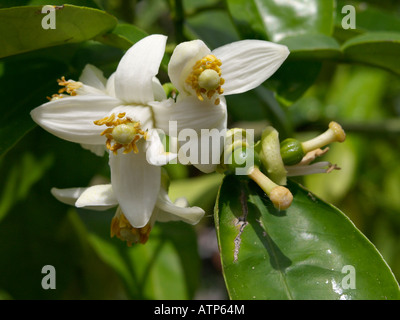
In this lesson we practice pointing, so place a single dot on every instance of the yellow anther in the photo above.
(70, 86)
(205, 78)
(122, 132)
(55, 96)
(123, 230)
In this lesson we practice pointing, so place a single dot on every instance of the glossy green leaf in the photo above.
(310, 251)
(368, 18)
(247, 19)
(312, 46)
(293, 79)
(215, 28)
(380, 49)
(21, 27)
(17, 3)
(274, 20)
(123, 36)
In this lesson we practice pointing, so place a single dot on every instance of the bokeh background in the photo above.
(181, 261)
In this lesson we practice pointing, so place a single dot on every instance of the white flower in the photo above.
(118, 113)
(203, 77)
(102, 197)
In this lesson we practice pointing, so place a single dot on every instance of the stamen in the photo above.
(70, 86)
(122, 132)
(56, 96)
(206, 79)
(123, 230)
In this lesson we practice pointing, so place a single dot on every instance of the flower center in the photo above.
(122, 132)
(206, 79)
(124, 231)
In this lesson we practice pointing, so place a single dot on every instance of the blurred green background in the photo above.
(314, 86)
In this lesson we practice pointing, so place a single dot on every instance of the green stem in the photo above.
(178, 18)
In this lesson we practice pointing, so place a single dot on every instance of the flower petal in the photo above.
(158, 90)
(168, 211)
(156, 154)
(71, 118)
(189, 113)
(248, 63)
(207, 148)
(67, 196)
(110, 86)
(98, 197)
(135, 72)
(93, 77)
(183, 59)
(101, 196)
(136, 185)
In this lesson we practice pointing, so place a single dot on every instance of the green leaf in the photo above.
(21, 27)
(214, 27)
(166, 267)
(380, 49)
(293, 79)
(17, 3)
(312, 46)
(368, 18)
(274, 20)
(305, 252)
(123, 36)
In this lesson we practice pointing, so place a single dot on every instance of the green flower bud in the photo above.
(242, 157)
(291, 151)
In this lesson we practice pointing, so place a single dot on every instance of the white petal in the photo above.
(110, 86)
(158, 90)
(135, 72)
(210, 145)
(84, 90)
(162, 111)
(248, 63)
(183, 59)
(93, 77)
(136, 185)
(95, 198)
(71, 118)
(190, 113)
(178, 211)
(156, 154)
(100, 196)
(67, 196)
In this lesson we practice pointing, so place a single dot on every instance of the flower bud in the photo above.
(291, 151)
(242, 157)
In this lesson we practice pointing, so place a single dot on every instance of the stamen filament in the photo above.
(280, 196)
(333, 134)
